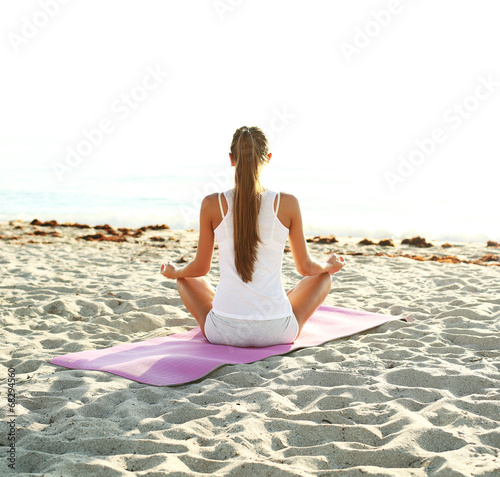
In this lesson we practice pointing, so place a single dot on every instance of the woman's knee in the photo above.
(326, 280)
(182, 283)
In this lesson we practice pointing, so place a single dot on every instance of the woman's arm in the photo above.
(306, 265)
(202, 263)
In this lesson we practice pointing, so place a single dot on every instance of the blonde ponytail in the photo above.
(249, 148)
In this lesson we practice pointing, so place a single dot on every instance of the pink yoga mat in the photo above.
(186, 357)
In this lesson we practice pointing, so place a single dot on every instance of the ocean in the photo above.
(134, 200)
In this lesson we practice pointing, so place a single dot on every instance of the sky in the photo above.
(392, 102)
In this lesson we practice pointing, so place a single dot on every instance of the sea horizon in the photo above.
(355, 218)
(129, 199)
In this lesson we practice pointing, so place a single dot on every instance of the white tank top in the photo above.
(263, 298)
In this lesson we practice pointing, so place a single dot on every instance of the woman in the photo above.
(250, 308)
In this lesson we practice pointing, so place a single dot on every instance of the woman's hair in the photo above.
(249, 149)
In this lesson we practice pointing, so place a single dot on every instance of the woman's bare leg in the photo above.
(197, 294)
(308, 295)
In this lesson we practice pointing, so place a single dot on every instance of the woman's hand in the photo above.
(337, 262)
(168, 270)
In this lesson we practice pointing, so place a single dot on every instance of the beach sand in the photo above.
(404, 399)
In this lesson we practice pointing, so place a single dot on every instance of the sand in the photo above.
(403, 399)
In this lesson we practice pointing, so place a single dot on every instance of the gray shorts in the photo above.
(250, 333)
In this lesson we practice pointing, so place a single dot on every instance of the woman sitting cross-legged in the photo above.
(249, 307)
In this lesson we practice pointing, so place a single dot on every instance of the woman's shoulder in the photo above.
(288, 199)
(214, 196)
(211, 201)
(288, 206)
(285, 194)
